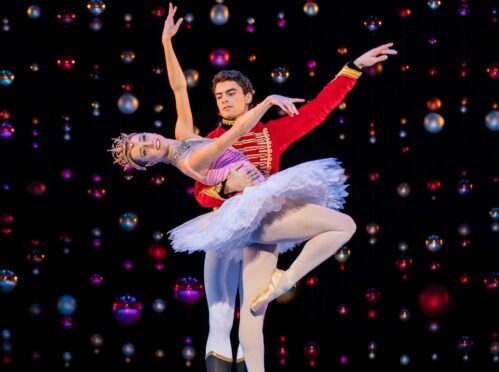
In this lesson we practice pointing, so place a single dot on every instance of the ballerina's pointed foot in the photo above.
(274, 289)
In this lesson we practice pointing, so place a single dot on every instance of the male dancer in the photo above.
(263, 146)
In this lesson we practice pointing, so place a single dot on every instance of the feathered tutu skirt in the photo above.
(229, 229)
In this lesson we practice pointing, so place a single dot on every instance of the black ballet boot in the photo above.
(241, 366)
(214, 364)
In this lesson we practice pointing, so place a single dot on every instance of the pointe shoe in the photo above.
(273, 290)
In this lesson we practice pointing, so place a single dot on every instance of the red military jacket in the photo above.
(264, 145)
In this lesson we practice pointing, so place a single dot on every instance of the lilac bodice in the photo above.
(219, 169)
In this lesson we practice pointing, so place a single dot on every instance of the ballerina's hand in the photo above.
(286, 104)
(170, 28)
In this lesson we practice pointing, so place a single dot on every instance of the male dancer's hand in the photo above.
(375, 55)
(170, 28)
(239, 179)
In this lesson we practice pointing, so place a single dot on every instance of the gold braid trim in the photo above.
(268, 142)
(350, 72)
(218, 356)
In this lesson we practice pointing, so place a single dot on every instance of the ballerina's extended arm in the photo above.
(184, 127)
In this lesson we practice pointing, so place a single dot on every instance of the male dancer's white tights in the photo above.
(258, 264)
(221, 279)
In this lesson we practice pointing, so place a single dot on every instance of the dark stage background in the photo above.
(419, 284)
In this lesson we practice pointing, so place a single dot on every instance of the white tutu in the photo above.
(229, 228)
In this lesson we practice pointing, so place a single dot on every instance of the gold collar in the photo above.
(227, 122)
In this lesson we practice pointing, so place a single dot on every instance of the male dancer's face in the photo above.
(231, 100)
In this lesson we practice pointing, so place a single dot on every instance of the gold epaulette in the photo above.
(214, 192)
(350, 72)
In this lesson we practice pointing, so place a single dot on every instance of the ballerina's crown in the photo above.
(120, 149)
